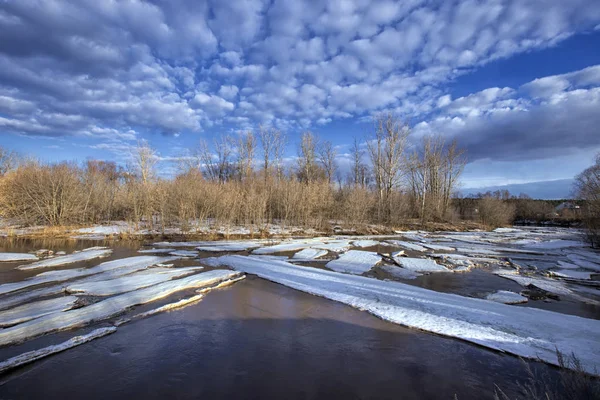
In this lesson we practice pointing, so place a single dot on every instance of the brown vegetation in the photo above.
(225, 185)
(587, 186)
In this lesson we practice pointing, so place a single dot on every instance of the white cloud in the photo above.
(179, 66)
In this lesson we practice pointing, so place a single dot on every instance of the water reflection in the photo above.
(260, 340)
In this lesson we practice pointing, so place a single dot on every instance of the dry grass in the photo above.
(573, 383)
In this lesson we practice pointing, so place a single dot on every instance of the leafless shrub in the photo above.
(587, 187)
(495, 212)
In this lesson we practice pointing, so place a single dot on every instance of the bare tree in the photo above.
(326, 155)
(273, 144)
(217, 163)
(386, 151)
(359, 169)
(307, 158)
(8, 160)
(145, 160)
(433, 176)
(587, 187)
(245, 149)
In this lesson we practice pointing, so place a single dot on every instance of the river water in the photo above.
(261, 340)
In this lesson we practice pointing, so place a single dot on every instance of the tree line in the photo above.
(245, 180)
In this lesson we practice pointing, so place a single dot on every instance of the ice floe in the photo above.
(309, 254)
(506, 297)
(29, 311)
(156, 251)
(549, 285)
(398, 272)
(133, 263)
(557, 244)
(69, 259)
(569, 273)
(354, 262)
(283, 247)
(527, 332)
(7, 257)
(337, 246)
(407, 245)
(184, 253)
(222, 247)
(583, 263)
(130, 282)
(366, 243)
(35, 355)
(438, 247)
(420, 264)
(109, 307)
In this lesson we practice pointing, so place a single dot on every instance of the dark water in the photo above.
(260, 340)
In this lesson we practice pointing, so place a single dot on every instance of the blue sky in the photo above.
(517, 83)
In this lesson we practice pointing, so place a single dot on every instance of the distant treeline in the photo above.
(224, 185)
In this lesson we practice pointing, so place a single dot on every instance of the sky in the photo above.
(516, 83)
